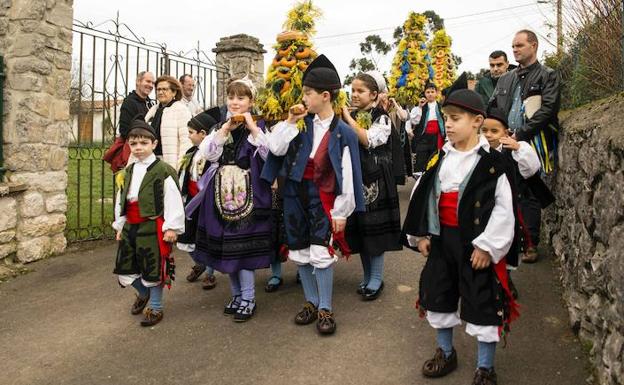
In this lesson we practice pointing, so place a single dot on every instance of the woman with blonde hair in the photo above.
(169, 118)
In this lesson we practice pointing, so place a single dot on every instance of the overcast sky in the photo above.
(476, 27)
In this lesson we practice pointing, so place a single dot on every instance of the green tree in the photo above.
(435, 21)
(373, 49)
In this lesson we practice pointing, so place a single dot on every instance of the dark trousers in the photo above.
(532, 214)
(448, 281)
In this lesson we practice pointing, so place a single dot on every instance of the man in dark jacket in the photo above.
(137, 102)
(530, 95)
(530, 79)
(498, 66)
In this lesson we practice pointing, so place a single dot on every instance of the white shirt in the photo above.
(283, 133)
(173, 211)
(379, 132)
(498, 235)
(192, 105)
(416, 113)
(211, 147)
(527, 158)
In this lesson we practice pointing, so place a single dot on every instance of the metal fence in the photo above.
(106, 59)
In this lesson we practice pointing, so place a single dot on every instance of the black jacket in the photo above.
(535, 79)
(132, 106)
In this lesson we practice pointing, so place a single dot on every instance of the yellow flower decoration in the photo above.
(364, 119)
(120, 178)
(433, 161)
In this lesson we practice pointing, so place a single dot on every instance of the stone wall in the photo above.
(238, 56)
(587, 230)
(36, 42)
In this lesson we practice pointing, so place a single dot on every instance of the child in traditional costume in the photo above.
(427, 128)
(323, 186)
(378, 229)
(148, 216)
(192, 167)
(236, 227)
(525, 167)
(461, 217)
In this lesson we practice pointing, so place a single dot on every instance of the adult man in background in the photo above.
(188, 88)
(530, 95)
(137, 102)
(498, 66)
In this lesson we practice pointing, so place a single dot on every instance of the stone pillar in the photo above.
(36, 42)
(237, 56)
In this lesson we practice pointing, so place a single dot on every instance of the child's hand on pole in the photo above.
(170, 236)
(424, 246)
(480, 259)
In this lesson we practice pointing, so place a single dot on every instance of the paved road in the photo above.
(68, 323)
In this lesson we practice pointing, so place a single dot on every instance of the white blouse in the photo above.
(379, 132)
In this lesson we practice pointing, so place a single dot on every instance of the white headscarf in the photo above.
(379, 79)
(247, 82)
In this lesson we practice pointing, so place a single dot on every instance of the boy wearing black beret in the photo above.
(192, 167)
(461, 218)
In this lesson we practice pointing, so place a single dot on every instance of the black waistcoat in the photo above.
(476, 203)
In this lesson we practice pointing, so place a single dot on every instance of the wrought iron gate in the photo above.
(106, 59)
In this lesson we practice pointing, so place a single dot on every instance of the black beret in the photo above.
(466, 100)
(138, 122)
(461, 83)
(321, 74)
(205, 120)
(498, 114)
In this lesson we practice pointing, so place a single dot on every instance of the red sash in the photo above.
(320, 171)
(448, 209)
(133, 217)
(193, 189)
(448, 217)
(433, 128)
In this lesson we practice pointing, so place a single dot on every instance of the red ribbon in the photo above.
(133, 217)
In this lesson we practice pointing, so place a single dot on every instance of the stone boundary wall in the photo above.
(586, 228)
(36, 42)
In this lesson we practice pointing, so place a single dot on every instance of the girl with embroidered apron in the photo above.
(235, 230)
(378, 229)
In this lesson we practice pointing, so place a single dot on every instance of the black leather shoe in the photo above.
(361, 288)
(271, 287)
(139, 304)
(370, 295)
(152, 317)
(232, 307)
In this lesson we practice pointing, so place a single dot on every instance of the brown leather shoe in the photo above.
(484, 377)
(209, 283)
(326, 323)
(196, 271)
(439, 365)
(307, 315)
(152, 317)
(139, 304)
(530, 256)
